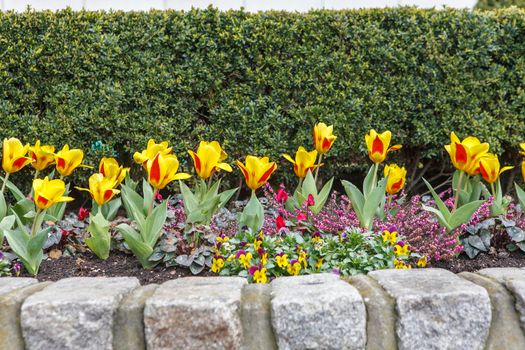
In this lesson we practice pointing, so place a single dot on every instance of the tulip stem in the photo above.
(5, 182)
(493, 190)
(152, 201)
(37, 172)
(374, 181)
(33, 227)
(389, 202)
(458, 188)
(317, 169)
(209, 182)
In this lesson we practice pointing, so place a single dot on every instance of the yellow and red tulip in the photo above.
(466, 154)
(68, 160)
(14, 155)
(101, 188)
(323, 137)
(522, 146)
(42, 155)
(151, 151)
(162, 169)
(396, 178)
(110, 168)
(303, 162)
(489, 167)
(256, 171)
(208, 159)
(49, 192)
(378, 145)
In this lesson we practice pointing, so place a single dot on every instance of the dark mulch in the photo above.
(482, 261)
(118, 264)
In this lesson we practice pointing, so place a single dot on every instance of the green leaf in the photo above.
(441, 206)
(6, 224)
(15, 191)
(140, 249)
(3, 207)
(521, 196)
(372, 203)
(100, 240)
(225, 196)
(189, 199)
(439, 216)
(134, 205)
(252, 215)
(368, 183)
(356, 198)
(463, 214)
(322, 197)
(309, 186)
(154, 223)
(147, 192)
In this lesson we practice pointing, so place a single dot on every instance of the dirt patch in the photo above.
(117, 265)
(482, 261)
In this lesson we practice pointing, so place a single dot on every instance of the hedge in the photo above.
(258, 82)
(498, 4)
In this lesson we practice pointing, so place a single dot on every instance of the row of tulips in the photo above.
(22, 222)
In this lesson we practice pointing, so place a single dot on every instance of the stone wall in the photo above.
(388, 309)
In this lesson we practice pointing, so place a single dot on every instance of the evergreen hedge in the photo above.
(259, 82)
(498, 4)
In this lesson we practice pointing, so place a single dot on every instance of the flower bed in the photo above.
(201, 230)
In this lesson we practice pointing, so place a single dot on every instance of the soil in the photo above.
(120, 264)
(117, 265)
(482, 261)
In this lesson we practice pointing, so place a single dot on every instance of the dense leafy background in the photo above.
(498, 4)
(258, 82)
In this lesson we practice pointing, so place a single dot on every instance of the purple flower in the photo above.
(336, 271)
(239, 253)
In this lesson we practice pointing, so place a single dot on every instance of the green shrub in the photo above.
(498, 4)
(258, 82)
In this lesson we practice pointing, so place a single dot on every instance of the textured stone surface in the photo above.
(74, 313)
(11, 299)
(7, 284)
(195, 313)
(505, 331)
(514, 279)
(317, 312)
(381, 317)
(437, 309)
(128, 330)
(256, 318)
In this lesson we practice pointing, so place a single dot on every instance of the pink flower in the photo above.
(281, 196)
(158, 196)
(280, 223)
(310, 201)
(301, 217)
(83, 213)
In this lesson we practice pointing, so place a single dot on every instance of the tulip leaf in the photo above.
(463, 214)
(154, 223)
(439, 203)
(3, 207)
(56, 211)
(252, 215)
(372, 203)
(322, 197)
(133, 203)
(439, 216)
(140, 249)
(147, 192)
(309, 186)
(189, 199)
(225, 196)
(357, 199)
(521, 196)
(100, 240)
(6, 224)
(21, 208)
(368, 183)
(15, 191)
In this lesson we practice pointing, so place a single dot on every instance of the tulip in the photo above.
(465, 155)
(522, 146)
(378, 145)
(209, 158)
(323, 137)
(101, 188)
(42, 156)
(68, 160)
(523, 170)
(151, 151)
(110, 168)
(256, 171)
(281, 196)
(48, 192)
(162, 169)
(396, 178)
(490, 168)
(14, 155)
(304, 161)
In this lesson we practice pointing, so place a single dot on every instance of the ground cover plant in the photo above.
(169, 219)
